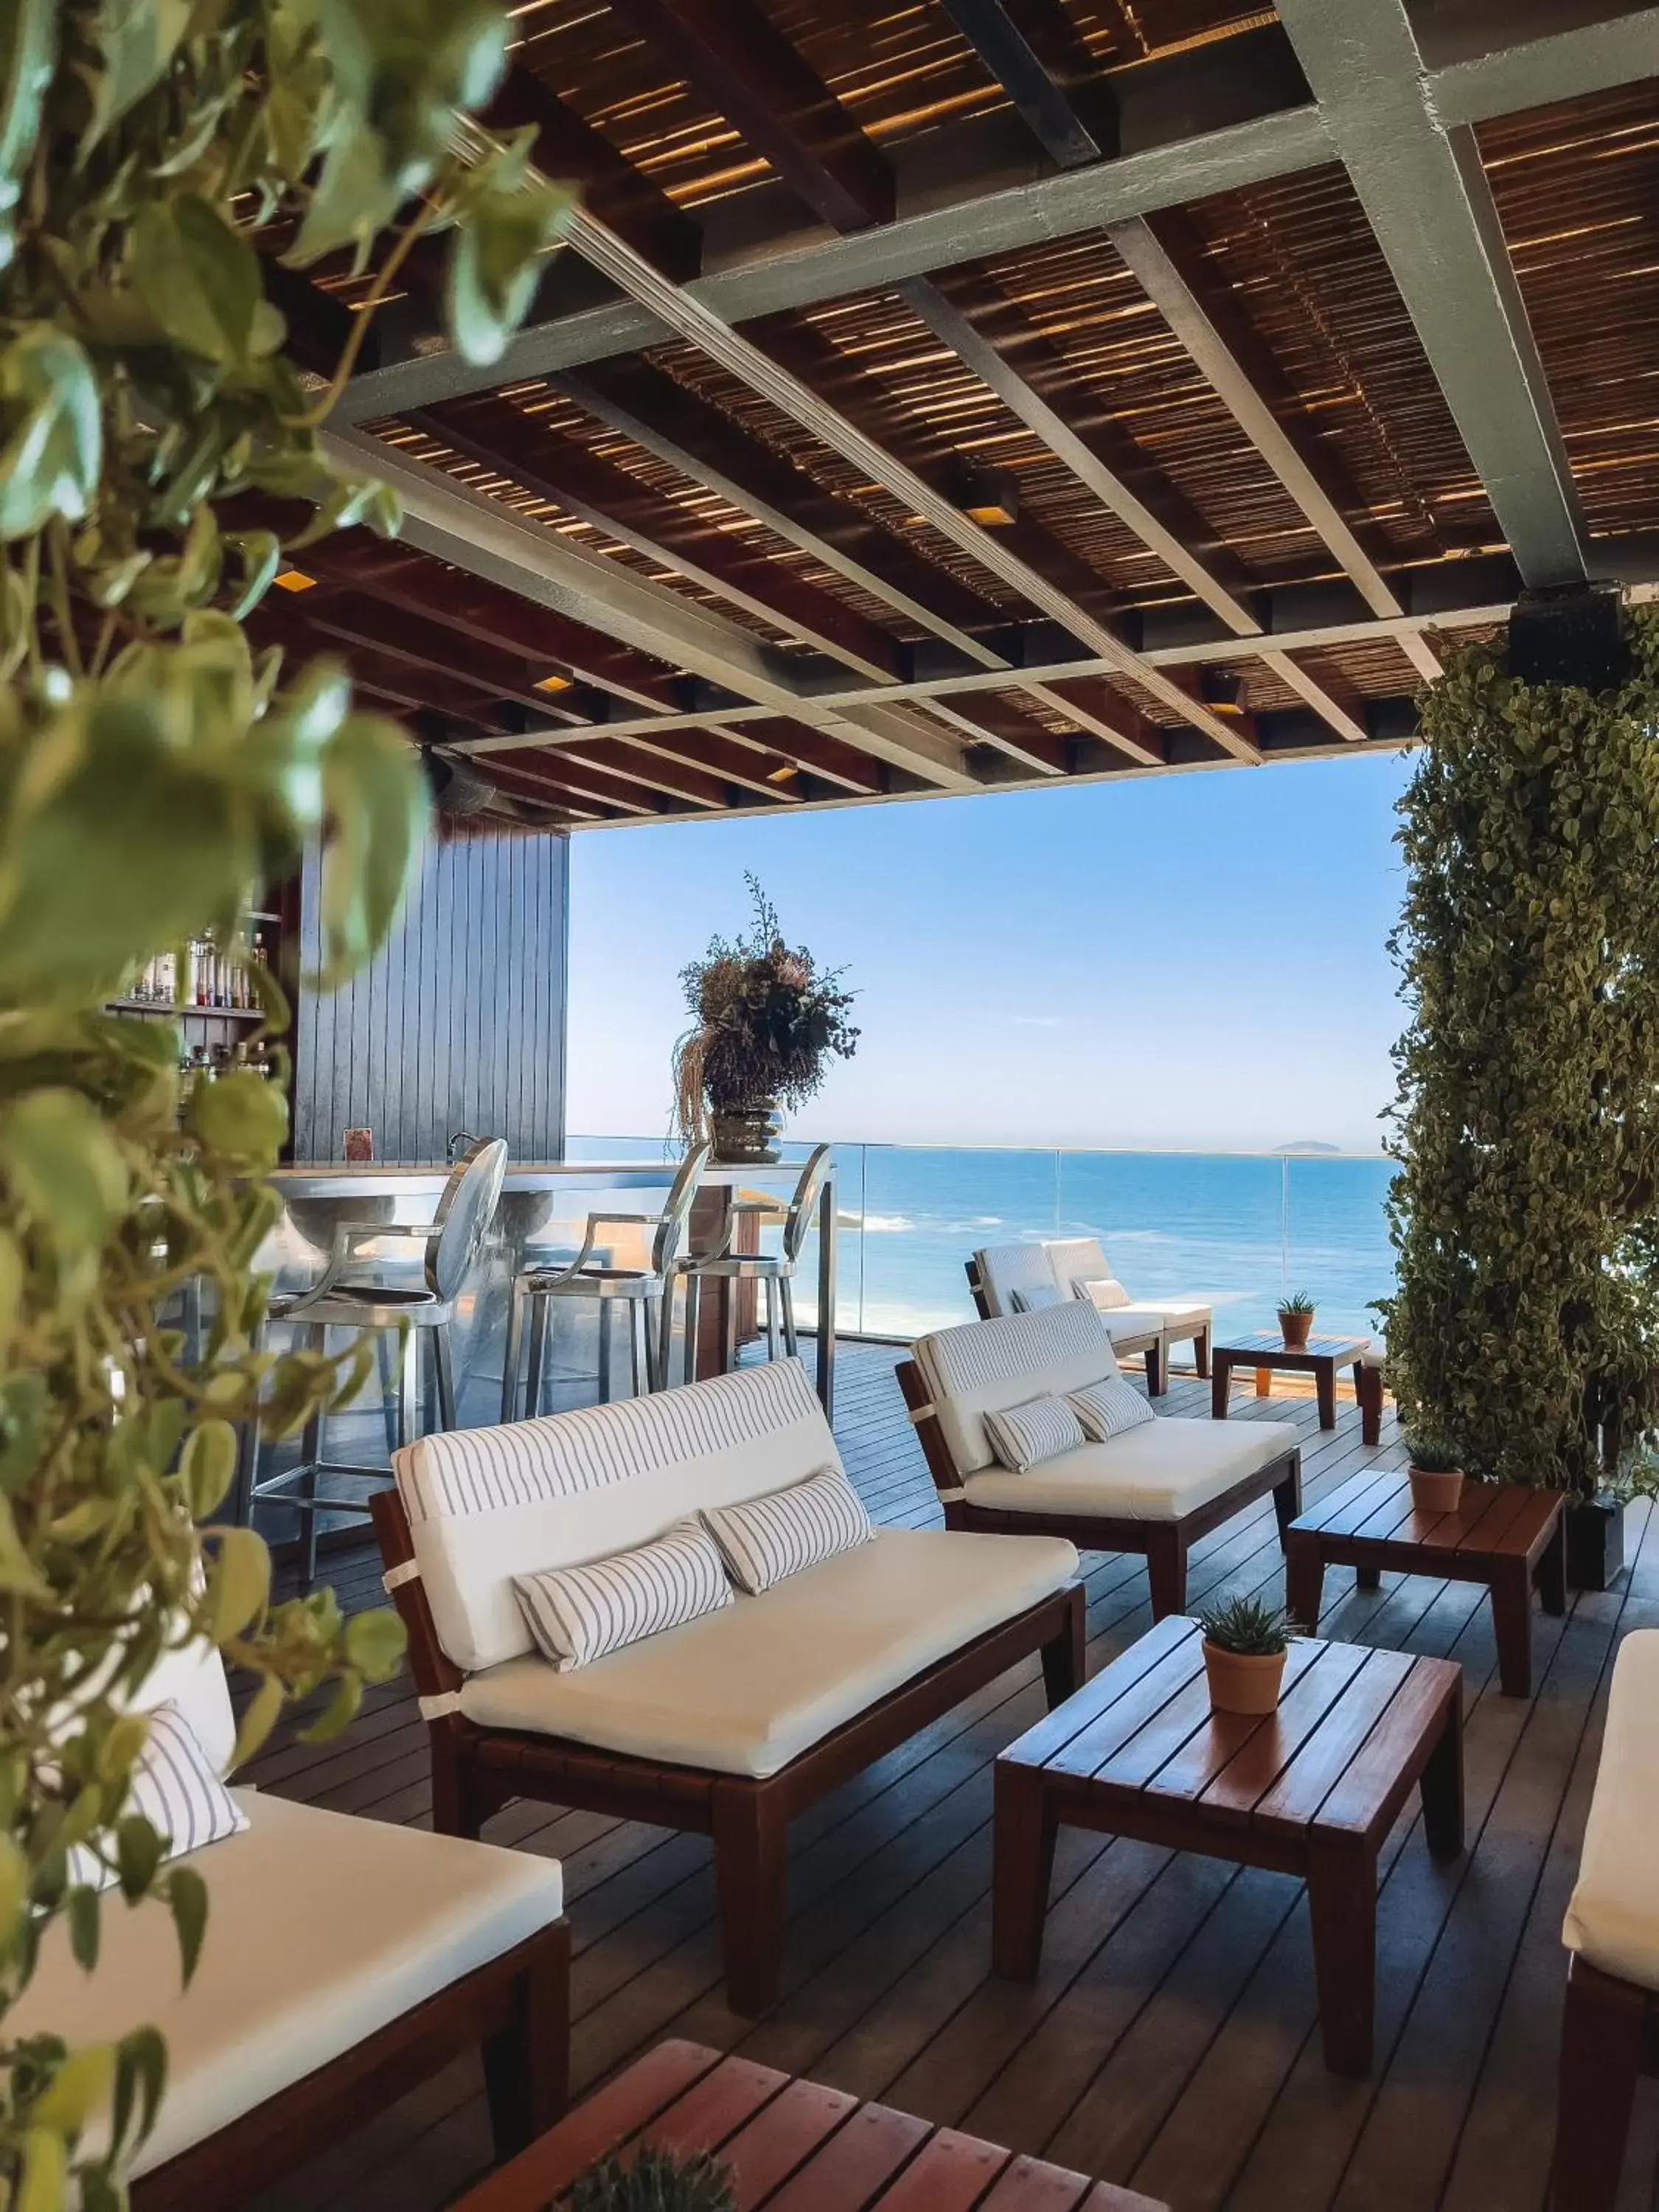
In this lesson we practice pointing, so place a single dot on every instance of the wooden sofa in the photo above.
(1012, 1279)
(346, 1961)
(1155, 1489)
(727, 1725)
(1610, 2032)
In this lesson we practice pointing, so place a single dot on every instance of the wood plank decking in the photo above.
(1171, 2038)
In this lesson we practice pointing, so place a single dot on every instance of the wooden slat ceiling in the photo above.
(1178, 478)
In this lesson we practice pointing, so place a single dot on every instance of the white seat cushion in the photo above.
(1160, 1471)
(1613, 1919)
(321, 1930)
(1177, 1317)
(747, 1690)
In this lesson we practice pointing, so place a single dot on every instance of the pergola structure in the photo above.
(942, 395)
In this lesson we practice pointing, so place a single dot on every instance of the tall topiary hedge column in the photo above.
(1525, 1327)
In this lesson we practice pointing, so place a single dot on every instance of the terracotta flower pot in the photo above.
(1294, 1328)
(1243, 1682)
(1437, 1491)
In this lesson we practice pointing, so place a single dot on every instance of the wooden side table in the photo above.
(1310, 1790)
(1265, 1351)
(791, 2147)
(1509, 1537)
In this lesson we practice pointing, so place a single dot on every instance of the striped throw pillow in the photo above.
(1024, 1436)
(1105, 1294)
(764, 1539)
(1107, 1408)
(576, 1614)
(175, 1788)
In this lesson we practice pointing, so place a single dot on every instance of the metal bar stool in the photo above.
(646, 1293)
(775, 1270)
(340, 1299)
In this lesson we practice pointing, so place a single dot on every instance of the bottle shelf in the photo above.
(203, 1013)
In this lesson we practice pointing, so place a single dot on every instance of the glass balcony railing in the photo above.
(1241, 1229)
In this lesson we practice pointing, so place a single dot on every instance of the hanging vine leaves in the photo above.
(155, 157)
(1523, 1329)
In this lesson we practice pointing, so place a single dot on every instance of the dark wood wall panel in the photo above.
(458, 1023)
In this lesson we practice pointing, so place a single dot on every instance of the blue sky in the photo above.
(1184, 960)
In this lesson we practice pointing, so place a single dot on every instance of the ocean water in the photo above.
(1240, 1229)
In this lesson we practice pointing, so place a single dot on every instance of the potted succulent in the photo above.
(767, 1021)
(1296, 1315)
(1436, 1477)
(1245, 1641)
(655, 2181)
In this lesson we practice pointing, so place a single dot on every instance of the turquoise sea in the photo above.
(1241, 1229)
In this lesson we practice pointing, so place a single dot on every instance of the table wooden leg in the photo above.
(1304, 1577)
(1325, 1386)
(1342, 1909)
(1512, 1621)
(1442, 1788)
(1552, 1574)
(1023, 1864)
(1367, 1578)
(1221, 1375)
(1368, 1388)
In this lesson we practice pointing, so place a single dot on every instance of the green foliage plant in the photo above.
(1299, 1302)
(1521, 1331)
(155, 157)
(654, 2181)
(767, 1020)
(1248, 1626)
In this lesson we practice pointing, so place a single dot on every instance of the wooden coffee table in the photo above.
(791, 2147)
(1312, 1790)
(1504, 1534)
(1264, 1349)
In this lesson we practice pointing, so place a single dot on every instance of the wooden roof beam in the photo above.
(1033, 51)
(646, 405)
(512, 443)
(1426, 198)
(734, 54)
(1490, 58)
(449, 520)
(450, 656)
(1337, 704)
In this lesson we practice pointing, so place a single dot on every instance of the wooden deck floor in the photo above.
(1169, 2041)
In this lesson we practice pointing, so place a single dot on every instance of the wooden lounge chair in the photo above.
(1012, 1279)
(1081, 1268)
(346, 1961)
(1610, 2031)
(729, 1725)
(1156, 1488)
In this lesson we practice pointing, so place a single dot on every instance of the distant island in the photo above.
(1307, 1144)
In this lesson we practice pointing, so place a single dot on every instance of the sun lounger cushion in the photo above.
(1613, 1919)
(1006, 1268)
(322, 1930)
(768, 1539)
(1104, 1291)
(1106, 1409)
(1026, 1435)
(988, 1365)
(176, 1787)
(1161, 1471)
(747, 1690)
(576, 1614)
(485, 1505)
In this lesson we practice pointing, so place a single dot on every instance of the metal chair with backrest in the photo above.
(343, 1298)
(776, 1270)
(646, 1292)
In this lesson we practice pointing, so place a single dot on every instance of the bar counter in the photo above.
(543, 1208)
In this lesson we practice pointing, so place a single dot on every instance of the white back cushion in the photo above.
(989, 1365)
(485, 1505)
(1077, 1260)
(1006, 1268)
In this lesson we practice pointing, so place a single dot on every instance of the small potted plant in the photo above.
(1295, 1316)
(1436, 1480)
(1245, 1641)
(654, 2181)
